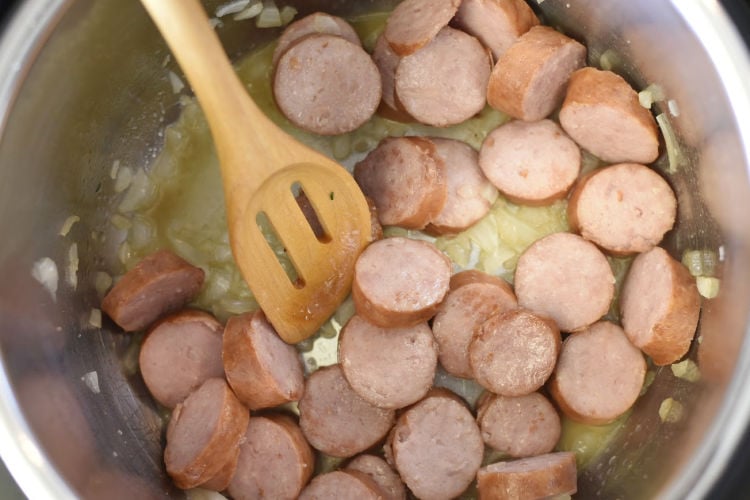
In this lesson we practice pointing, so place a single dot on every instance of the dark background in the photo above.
(736, 484)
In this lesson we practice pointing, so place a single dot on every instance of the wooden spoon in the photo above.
(260, 164)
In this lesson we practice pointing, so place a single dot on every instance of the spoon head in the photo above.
(298, 303)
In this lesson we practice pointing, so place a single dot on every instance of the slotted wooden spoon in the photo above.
(260, 164)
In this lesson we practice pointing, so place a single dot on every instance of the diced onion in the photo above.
(71, 271)
(176, 82)
(674, 109)
(141, 193)
(708, 286)
(232, 7)
(270, 17)
(686, 370)
(123, 180)
(102, 282)
(700, 262)
(651, 94)
(671, 411)
(121, 222)
(45, 272)
(115, 169)
(91, 379)
(674, 153)
(287, 14)
(68, 224)
(609, 59)
(250, 12)
(95, 318)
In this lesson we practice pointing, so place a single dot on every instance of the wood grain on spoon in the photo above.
(260, 163)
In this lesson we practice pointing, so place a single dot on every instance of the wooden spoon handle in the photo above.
(230, 111)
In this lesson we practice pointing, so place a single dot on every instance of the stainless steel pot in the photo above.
(83, 83)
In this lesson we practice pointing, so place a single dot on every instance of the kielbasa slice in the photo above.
(159, 284)
(263, 370)
(473, 296)
(400, 282)
(388, 367)
(543, 476)
(335, 419)
(660, 305)
(496, 23)
(514, 352)
(522, 426)
(436, 447)
(469, 194)
(599, 374)
(326, 85)
(566, 278)
(529, 80)
(179, 353)
(414, 23)
(406, 180)
(602, 114)
(380, 472)
(221, 480)
(275, 460)
(445, 82)
(531, 163)
(387, 61)
(625, 208)
(204, 433)
(316, 23)
(339, 484)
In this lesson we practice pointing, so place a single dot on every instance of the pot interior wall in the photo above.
(97, 91)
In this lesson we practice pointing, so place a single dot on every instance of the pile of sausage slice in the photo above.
(538, 347)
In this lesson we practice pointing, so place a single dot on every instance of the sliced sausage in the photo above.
(445, 82)
(263, 370)
(315, 23)
(414, 23)
(522, 426)
(179, 353)
(599, 374)
(531, 163)
(204, 433)
(469, 194)
(388, 367)
(380, 472)
(496, 23)
(529, 80)
(275, 460)
(221, 480)
(339, 484)
(514, 352)
(602, 114)
(436, 447)
(400, 282)
(660, 305)
(387, 61)
(473, 296)
(326, 85)
(544, 476)
(566, 278)
(336, 420)
(159, 284)
(625, 208)
(406, 180)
